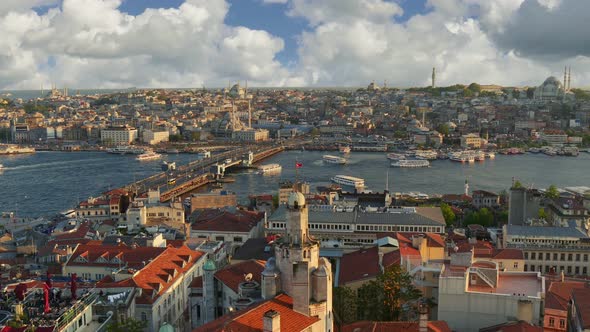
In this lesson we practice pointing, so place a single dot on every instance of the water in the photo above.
(50, 182)
(32, 94)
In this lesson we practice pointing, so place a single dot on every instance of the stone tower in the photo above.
(297, 268)
(209, 298)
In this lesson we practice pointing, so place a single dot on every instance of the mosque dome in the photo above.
(296, 200)
(551, 80)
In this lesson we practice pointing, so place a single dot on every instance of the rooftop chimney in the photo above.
(271, 321)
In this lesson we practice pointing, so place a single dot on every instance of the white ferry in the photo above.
(350, 181)
(479, 156)
(345, 149)
(426, 154)
(411, 163)
(126, 150)
(270, 168)
(148, 156)
(333, 159)
(395, 156)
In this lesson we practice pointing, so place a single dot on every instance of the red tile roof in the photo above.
(367, 326)
(233, 275)
(559, 293)
(155, 278)
(80, 233)
(250, 319)
(132, 257)
(581, 299)
(520, 326)
(364, 264)
(223, 221)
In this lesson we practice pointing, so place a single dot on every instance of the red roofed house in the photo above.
(557, 299)
(162, 286)
(92, 262)
(235, 228)
(296, 285)
(422, 325)
(361, 266)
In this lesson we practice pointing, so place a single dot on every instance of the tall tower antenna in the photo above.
(433, 77)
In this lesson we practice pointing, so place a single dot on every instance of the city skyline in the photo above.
(289, 43)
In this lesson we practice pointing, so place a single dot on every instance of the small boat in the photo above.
(148, 156)
(270, 169)
(395, 156)
(126, 150)
(1, 167)
(490, 155)
(411, 163)
(171, 181)
(333, 160)
(534, 150)
(172, 151)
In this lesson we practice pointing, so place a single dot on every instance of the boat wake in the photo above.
(53, 164)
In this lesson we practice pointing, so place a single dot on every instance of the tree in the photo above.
(517, 185)
(344, 304)
(482, 217)
(542, 214)
(129, 325)
(443, 129)
(389, 297)
(552, 192)
(448, 214)
(530, 93)
(474, 87)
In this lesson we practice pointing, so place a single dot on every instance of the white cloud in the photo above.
(94, 44)
(91, 43)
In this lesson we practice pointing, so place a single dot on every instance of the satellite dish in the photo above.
(248, 277)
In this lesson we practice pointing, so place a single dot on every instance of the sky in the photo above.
(196, 43)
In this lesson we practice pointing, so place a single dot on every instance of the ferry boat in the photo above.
(172, 151)
(411, 163)
(395, 156)
(148, 156)
(479, 156)
(426, 154)
(1, 167)
(126, 150)
(458, 156)
(345, 149)
(15, 149)
(350, 181)
(168, 166)
(333, 160)
(270, 168)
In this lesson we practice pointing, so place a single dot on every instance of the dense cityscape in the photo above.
(177, 250)
(330, 166)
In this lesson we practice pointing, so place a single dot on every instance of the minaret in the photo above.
(569, 79)
(433, 77)
(564, 79)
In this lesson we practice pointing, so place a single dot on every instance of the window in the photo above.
(569, 270)
(554, 257)
(238, 239)
(584, 270)
(547, 256)
(569, 257)
(526, 268)
(533, 255)
(585, 257)
(562, 323)
(562, 257)
(577, 270)
(577, 257)
(551, 321)
(516, 265)
(526, 255)
(219, 238)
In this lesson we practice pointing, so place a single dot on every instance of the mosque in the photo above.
(554, 90)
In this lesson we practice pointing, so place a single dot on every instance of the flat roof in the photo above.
(521, 283)
(541, 231)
